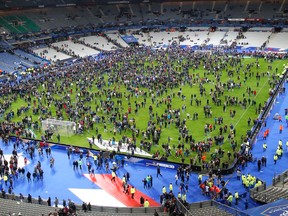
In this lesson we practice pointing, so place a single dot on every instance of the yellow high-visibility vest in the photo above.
(132, 190)
(146, 204)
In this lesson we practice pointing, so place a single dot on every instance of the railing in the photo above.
(210, 203)
(94, 208)
(280, 179)
(182, 208)
(229, 209)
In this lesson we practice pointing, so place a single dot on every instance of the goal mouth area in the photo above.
(61, 127)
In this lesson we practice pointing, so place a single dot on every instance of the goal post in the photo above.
(63, 128)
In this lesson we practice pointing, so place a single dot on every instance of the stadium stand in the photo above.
(18, 24)
(215, 38)
(10, 63)
(277, 191)
(98, 42)
(271, 194)
(74, 49)
(29, 57)
(142, 37)
(116, 39)
(14, 207)
(195, 36)
(275, 40)
(164, 38)
(196, 209)
(211, 208)
(253, 39)
(51, 54)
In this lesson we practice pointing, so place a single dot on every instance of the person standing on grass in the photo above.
(58, 138)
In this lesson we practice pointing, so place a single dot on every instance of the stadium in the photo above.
(143, 107)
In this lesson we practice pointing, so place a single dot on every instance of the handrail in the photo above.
(141, 210)
(94, 208)
(229, 209)
(281, 178)
(183, 208)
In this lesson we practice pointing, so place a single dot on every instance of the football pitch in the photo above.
(212, 101)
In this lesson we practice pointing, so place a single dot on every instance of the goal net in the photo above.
(54, 126)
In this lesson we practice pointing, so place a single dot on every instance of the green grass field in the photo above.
(195, 127)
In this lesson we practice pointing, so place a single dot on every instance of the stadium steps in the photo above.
(207, 209)
(271, 194)
(5, 23)
(103, 210)
(30, 25)
(241, 202)
(14, 207)
(211, 210)
(11, 19)
(91, 213)
(9, 206)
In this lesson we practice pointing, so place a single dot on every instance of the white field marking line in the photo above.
(250, 104)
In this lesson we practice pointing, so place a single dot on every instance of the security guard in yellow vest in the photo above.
(264, 147)
(199, 179)
(146, 204)
(164, 190)
(95, 159)
(5, 178)
(171, 187)
(278, 152)
(236, 195)
(184, 197)
(132, 191)
(230, 199)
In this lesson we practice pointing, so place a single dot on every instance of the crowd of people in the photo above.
(71, 90)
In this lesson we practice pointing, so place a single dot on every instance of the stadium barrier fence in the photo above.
(138, 210)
